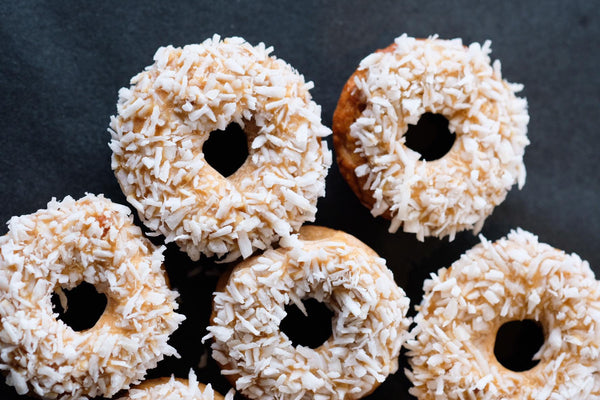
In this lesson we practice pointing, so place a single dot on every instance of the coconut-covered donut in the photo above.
(392, 89)
(514, 279)
(91, 240)
(169, 112)
(368, 326)
(174, 389)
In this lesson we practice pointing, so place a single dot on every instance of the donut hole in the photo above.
(310, 330)
(226, 150)
(516, 344)
(430, 137)
(84, 306)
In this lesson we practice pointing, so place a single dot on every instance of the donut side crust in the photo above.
(349, 108)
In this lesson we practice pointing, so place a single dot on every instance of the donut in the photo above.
(168, 113)
(451, 349)
(174, 389)
(91, 240)
(391, 90)
(368, 327)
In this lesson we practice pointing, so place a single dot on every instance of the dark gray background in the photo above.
(62, 63)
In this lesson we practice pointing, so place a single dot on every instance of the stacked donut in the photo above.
(165, 118)
(369, 322)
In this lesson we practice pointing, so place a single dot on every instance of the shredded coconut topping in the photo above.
(175, 389)
(515, 278)
(170, 111)
(458, 191)
(369, 323)
(91, 240)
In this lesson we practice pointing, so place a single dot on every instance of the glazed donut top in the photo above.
(170, 111)
(444, 77)
(516, 278)
(92, 240)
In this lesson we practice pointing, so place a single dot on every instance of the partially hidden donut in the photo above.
(91, 240)
(368, 327)
(392, 89)
(168, 113)
(174, 389)
(451, 350)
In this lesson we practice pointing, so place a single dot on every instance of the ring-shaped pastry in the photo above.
(169, 112)
(91, 240)
(392, 89)
(368, 326)
(514, 279)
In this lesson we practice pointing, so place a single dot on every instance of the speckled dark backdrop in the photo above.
(62, 63)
